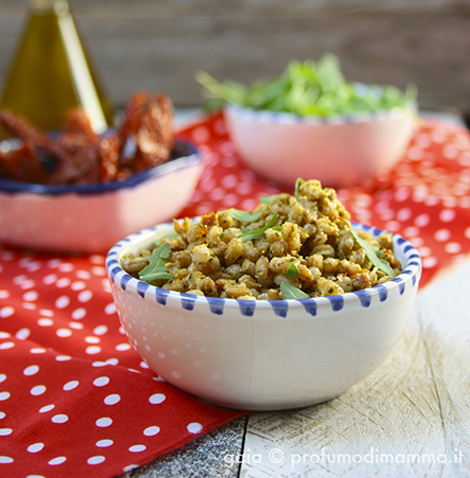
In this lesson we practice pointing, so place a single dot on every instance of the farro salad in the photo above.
(290, 247)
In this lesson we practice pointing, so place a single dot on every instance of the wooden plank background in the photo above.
(158, 46)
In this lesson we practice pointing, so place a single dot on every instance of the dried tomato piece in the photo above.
(22, 165)
(78, 128)
(79, 146)
(131, 118)
(109, 158)
(78, 164)
(124, 174)
(38, 156)
(146, 134)
(129, 127)
(21, 128)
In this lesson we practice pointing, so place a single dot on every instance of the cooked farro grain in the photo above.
(301, 243)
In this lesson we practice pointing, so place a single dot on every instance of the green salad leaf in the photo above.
(156, 267)
(250, 235)
(307, 89)
(373, 254)
(288, 291)
(244, 216)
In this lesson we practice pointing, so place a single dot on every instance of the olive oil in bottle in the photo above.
(50, 73)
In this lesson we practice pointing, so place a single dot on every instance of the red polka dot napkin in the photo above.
(75, 398)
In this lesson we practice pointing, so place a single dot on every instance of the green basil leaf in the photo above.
(288, 291)
(373, 254)
(249, 236)
(292, 272)
(156, 267)
(244, 216)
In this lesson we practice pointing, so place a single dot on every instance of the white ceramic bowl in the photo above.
(262, 355)
(340, 151)
(92, 217)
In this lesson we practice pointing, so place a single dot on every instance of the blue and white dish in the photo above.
(263, 355)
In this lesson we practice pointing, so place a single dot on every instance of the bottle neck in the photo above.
(59, 7)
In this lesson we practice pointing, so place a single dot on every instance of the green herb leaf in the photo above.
(298, 183)
(373, 254)
(244, 216)
(292, 272)
(249, 236)
(230, 91)
(171, 235)
(156, 276)
(288, 291)
(266, 199)
(156, 267)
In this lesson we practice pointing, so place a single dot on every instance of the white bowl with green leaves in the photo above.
(262, 354)
(311, 122)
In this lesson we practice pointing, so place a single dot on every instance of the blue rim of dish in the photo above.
(251, 114)
(409, 277)
(185, 155)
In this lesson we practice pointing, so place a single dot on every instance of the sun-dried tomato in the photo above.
(79, 151)
(22, 165)
(78, 126)
(109, 158)
(79, 155)
(146, 134)
(38, 155)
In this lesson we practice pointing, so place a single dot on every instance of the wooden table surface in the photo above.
(410, 418)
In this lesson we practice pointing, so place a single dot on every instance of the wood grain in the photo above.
(143, 45)
(445, 322)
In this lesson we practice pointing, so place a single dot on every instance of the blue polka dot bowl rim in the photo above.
(263, 355)
(340, 151)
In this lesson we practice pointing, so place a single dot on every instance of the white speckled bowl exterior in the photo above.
(93, 217)
(340, 152)
(263, 355)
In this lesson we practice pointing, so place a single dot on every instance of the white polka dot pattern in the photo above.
(67, 348)
(194, 428)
